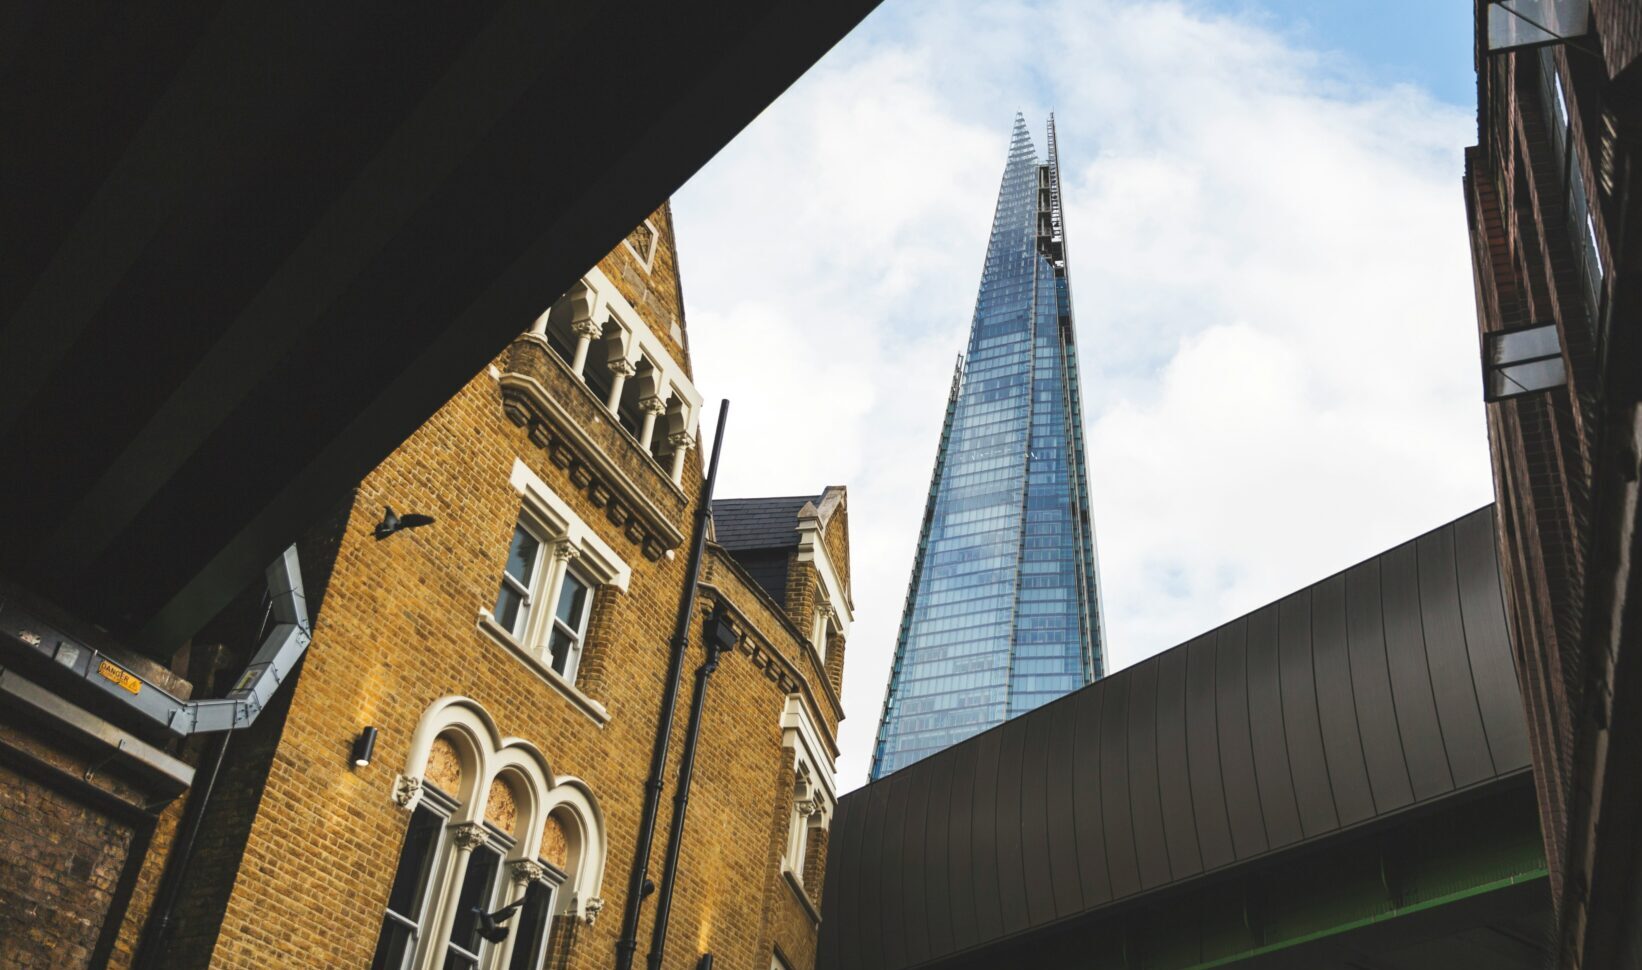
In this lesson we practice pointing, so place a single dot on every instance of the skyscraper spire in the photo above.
(1003, 610)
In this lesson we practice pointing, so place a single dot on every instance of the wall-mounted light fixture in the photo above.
(705, 963)
(363, 746)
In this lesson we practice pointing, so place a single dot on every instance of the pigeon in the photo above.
(392, 522)
(490, 924)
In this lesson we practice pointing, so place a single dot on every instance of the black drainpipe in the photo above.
(157, 934)
(638, 882)
(719, 638)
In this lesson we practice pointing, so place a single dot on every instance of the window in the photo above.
(513, 601)
(402, 925)
(574, 604)
(511, 835)
(480, 891)
(1522, 361)
(540, 572)
(1524, 23)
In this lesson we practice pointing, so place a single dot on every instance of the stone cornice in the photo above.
(805, 645)
(756, 646)
(637, 508)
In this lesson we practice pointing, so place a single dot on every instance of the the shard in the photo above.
(1003, 609)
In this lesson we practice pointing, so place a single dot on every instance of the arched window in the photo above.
(488, 820)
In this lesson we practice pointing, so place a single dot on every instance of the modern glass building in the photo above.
(1003, 609)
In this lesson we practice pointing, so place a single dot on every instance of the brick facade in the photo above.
(1550, 193)
(298, 848)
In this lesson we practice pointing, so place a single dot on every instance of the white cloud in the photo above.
(1271, 277)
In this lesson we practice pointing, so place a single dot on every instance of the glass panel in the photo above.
(1584, 228)
(521, 557)
(1524, 378)
(572, 602)
(478, 889)
(507, 608)
(410, 883)
(1509, 348)
(534, 923)
(394, 946)
(1005, 567)
(1520, 23)
(559, 648)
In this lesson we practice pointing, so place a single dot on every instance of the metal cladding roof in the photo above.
(250, 247)
(1382, 688)
(758, 523)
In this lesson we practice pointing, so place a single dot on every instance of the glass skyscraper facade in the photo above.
(1003, 609)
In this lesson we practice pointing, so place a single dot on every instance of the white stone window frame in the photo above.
(485, 755)
(570, 546)
(814, 798)
(833, 606)
(628, 340)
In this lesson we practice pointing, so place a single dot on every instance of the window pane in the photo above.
(559, 648)
(507, 608)
(1509, 348)
(521, 558)
(533, 926)
(572, 602)
(1522, 378)
(409, 887)
(393, 948)
(477, 891)
(1518, 23)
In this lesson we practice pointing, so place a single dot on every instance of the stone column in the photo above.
(653, 408)
(466, 837)
(622, 369)
(586, 331)
(681, 442)
(521, 873)
(563, 555)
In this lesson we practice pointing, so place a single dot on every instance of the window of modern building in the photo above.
(1525, 23)
(1522, 361)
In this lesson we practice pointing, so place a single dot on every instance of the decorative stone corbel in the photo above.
(591, 909)
(526, 871)
(407, 792)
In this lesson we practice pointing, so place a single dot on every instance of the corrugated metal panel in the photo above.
(1278, 728)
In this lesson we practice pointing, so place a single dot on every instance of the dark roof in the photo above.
(254, 246)
(1383, 688)
(758, 523)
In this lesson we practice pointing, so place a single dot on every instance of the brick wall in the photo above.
(398, 631)
(59, 861)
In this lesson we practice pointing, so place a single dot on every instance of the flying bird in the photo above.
(392, 522)
(490, 924)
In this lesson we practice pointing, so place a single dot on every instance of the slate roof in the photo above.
(758, 523)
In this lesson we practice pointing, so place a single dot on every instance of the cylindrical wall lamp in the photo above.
(363, 746)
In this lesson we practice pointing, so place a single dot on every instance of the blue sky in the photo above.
(1391, 41)
(1269, 265)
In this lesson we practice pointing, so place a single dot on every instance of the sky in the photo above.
(1270, 274)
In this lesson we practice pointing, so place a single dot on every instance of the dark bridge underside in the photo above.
(1337, 779)
(248, 247)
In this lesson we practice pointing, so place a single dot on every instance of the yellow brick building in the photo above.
(507, 661)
